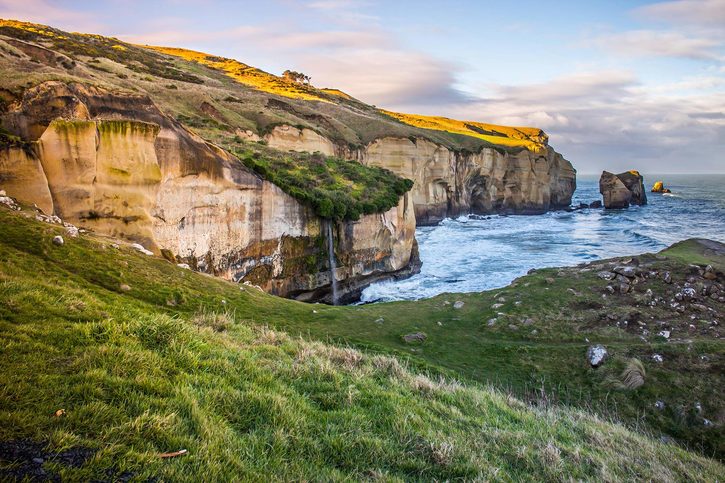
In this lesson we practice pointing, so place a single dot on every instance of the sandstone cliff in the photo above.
(134, 141)
(115, 164)
(450, 182)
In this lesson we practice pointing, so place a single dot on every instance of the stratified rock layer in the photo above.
(115, 164)
(449, 183)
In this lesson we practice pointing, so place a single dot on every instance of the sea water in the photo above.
(472, 253)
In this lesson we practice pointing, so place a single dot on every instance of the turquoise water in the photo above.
(471, 254)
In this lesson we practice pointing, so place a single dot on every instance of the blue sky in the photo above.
(616, 84)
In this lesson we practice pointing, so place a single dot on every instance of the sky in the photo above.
(616, 84)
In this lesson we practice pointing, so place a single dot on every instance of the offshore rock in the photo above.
(621, 190)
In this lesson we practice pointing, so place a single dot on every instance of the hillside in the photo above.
(220, 95)
(145, 358)
(236, 106)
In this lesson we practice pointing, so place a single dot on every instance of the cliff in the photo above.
(115, 164)
(449, 182)
(145, 143)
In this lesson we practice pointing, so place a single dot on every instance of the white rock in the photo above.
(72, 231)
(496, 306)
(58, 240)
(141, 248)
(657, 358)
(182, 265)
(458, 305)
(664, 333)
(660, 405)
(596, 355)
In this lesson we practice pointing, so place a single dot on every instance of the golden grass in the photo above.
(245, 74)
(530, 138)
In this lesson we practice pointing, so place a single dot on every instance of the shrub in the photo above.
(334, 188)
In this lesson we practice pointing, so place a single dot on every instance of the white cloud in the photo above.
(48, 12)
(645, 43)
(701, 13)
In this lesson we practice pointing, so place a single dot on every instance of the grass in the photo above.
(183, 360)
(333, 187)
(530, 138)
(247, 75)
(93, 46)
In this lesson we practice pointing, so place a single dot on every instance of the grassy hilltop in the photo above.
(147, 358)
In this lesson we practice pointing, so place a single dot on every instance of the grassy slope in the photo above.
(245, 98)
(183, 360)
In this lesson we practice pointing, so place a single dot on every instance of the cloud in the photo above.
(700, 13)
(387, 77)
(607, 120)
(48, 12)
(645, 43)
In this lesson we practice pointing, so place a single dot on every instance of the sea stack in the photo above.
(621, 190)
(659, 187)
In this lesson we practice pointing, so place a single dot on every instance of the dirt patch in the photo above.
(24, 460)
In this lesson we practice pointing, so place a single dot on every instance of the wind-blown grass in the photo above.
(138, 377)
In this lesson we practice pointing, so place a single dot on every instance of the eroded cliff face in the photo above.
(115, 164)
(450, 183)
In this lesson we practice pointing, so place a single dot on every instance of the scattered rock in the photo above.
(458, 305)
(665, 333)
(379, 320)
(610, 289)
(141, 248)
(660, 405)
(698, 407)
(707, 423)
(549, 280)
(9, 202)
(72, 231)
(528, 321)
(667, 277)
(596, 355)
(628, 272)
(513, 327)
(415, 337)
(491, 322)
(124, 287)
(496, 306)
(624, 288)
(606, 275)
(183, 265)
(58, 240)
(595, 204)
(657, 358)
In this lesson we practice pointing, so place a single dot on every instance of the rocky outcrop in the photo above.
(449, 183)
(621, 190)
(659, 187)
(115, 164)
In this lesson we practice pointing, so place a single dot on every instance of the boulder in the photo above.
(58, 240)
(415, 337)
(621, 190)
(595, 204)
(596, 355)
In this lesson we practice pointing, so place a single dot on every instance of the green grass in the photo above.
(334, 188)
(135, 58)
(184, 360)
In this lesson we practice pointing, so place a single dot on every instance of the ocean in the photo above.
(472, 253)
